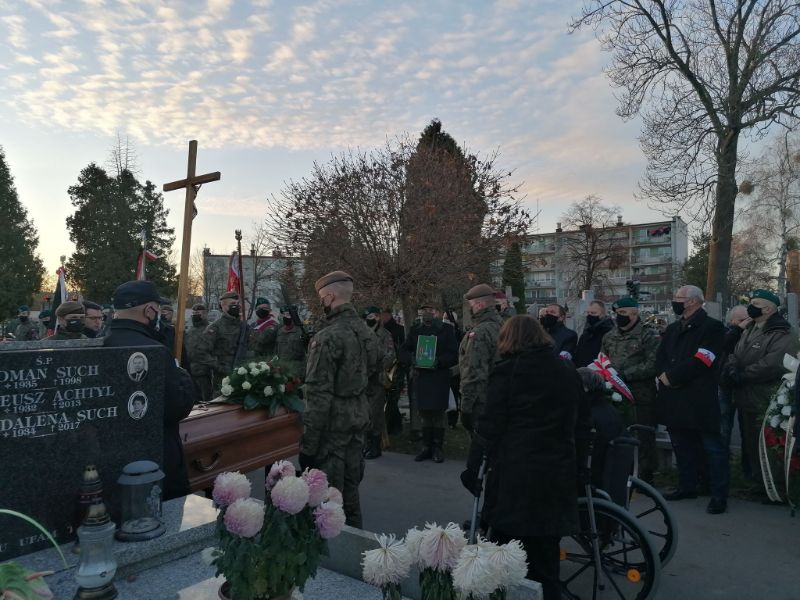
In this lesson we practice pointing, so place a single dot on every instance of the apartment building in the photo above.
(650, 253)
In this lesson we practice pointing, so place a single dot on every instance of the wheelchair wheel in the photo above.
(630, 568)
(653, 513)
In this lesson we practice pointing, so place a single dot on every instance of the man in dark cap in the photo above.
(138, 305)
(755, 367)
(45, 317)
(200, 372)
(341, 359)
(70, 317)
(631, 347)
(378, 382)
(26, 331)
(478, 352)
(224, 342)
(264, 331)
(431, 383)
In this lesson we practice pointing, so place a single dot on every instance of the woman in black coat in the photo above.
(529, 427)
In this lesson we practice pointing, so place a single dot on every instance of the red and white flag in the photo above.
(145, 256)
(707, 357)
(59, 296)
(602, 364)
(233, 274)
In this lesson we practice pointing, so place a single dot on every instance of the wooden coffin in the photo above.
(225, 437)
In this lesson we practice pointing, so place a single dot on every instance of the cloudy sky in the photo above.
(268, 87)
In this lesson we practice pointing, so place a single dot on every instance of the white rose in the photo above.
(246, 385)
(786, 411)
(775, 421)
(226, 390)
(263, 366)
(609, 385)
(226, 381)
(242, 371)
(254, 372)
(785, 425)
(268, 391)
(783, 399)
(616, 397)
(252, 365)
(282, 388)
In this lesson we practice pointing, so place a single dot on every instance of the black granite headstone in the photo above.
(63, 409)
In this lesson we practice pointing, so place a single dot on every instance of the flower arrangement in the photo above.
(781, 472)
(266, 384)
(449, 567)
(268, 548)
(624, 406)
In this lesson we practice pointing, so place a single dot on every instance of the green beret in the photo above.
(479, 291)
(45, 313)
(372, 310)
(330, 278)
(260, 301)
(626, 302)
(286, 308)
(765, 295)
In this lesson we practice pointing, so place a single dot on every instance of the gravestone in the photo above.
(63, 409)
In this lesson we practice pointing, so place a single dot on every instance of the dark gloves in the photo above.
(307, 461)
(467, 422)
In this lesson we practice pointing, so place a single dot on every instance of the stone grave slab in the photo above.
(60, 410)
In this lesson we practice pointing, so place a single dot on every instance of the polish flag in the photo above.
(707, 357)
(140, 264)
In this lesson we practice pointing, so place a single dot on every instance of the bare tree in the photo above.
(122, 157)
(751, 262)
(589, 248)
(266, 267)
(775, 207)
(708, 71)
(405, 220)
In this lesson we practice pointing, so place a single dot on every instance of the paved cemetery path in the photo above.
(751, 552)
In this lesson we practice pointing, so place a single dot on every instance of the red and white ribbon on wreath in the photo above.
(602, 364)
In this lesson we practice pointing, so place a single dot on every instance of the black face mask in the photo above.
(287, 321)
(197, 319)
(497, 306)
(105, 318)
(592, 320)
(623, 321)
(754, 312)
(74, 326)
(23, 319)
(233, 310)
(45, 322)
(548, 321)
(166, 319)
(372, 323)
(677, 307)
(155, 322)
(262, 313)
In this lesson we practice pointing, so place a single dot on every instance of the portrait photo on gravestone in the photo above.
(62, 410)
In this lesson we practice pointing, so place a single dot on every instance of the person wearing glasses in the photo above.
(93, 319)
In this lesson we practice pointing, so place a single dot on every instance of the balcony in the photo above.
(651, 260)
(662, 240)
(666, 276)
(540, 249)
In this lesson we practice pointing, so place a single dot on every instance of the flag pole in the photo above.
(238, 234)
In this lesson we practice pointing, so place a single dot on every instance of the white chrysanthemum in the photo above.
(226, 381)
(282, 388)
(209, 554)
(441, 546)
(246, 385)
(413, 540)
(616, 397)
(241, 371)
(510, 562)
(268, 391)
(785, 425)
(775, 421)
(473, 574)
(226, 390)
(786, 411)
(252, 365)
(387, 564)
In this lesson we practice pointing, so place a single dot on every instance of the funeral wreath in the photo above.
(263, 384)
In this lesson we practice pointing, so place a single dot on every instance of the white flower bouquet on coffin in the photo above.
(450, 569)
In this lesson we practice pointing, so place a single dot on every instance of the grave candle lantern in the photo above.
(97, 565)
(141, 483)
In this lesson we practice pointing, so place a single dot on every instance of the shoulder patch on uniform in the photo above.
(472, 334)
(313, 343)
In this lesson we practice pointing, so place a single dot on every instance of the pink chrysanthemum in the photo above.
(317, 486)
(230, 487)
(245, 517)
(334, 495)
(280, 469)
(329, 519)
(290, 495)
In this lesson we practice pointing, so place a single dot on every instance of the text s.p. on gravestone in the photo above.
(60, 410)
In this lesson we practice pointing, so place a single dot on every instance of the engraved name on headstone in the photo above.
(60, 410)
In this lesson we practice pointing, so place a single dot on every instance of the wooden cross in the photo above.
(192, 184)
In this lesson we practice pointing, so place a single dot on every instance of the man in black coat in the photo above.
(597, 325)
(431, 385)
(687, 401)
(137, 305)
(564, 339)
(394, 420)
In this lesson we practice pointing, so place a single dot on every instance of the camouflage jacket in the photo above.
(341, 358)
(26, 332)
(192, 342)
(291, 350)
(65, 335)
(263, 338)
(477, 355)
(386, 358)
(219, 345)
(633, 352)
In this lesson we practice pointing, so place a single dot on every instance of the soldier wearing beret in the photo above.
(45, 317)
(341, 359)
(26, 331)
(477, 353)
(224, 342)
(70, 322)
(200, 372)
(290, 343)
(265, 330)
(755, 367)
(631, 347)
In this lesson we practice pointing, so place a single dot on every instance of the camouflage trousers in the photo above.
(204, 385)
(648, 457)
(340, 457)
(377, 414)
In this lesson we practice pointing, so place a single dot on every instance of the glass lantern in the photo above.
(140, 484)
(97, 565)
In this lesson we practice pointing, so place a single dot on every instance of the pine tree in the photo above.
(22, 271)
(110, 214)
(514, 276)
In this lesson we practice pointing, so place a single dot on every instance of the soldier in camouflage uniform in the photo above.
(478, 352)
(70, 322)
(378, 382)
(341, 358)
(200, 372)
(26, 331)
(290, 344)
(44, 322)
(631, 346)
(264, 332)
(223, 342)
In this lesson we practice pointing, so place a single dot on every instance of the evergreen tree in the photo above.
(514, 276)
(22, 271)
(695, 269)
(110, 214)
